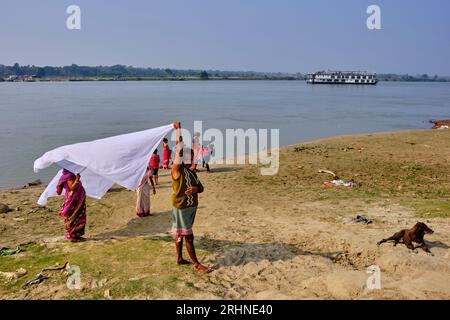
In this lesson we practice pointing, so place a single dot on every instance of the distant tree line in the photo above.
(129, 72)
(76, 71)
(407, 77)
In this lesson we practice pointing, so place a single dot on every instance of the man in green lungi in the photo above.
(186, 187)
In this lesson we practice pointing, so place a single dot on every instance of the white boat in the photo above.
(342, 77)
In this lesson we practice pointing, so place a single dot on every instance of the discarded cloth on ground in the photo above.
(10, 251)
(343, 183)
(119, 159)
(362, 219)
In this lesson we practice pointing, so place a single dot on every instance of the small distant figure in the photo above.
(74, 207)
(166, 154)
(154, 165)
(207, 152)
(196, 147)
(143, 194)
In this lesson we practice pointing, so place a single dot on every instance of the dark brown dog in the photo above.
(408, 236)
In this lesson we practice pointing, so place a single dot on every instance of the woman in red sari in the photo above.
(166, 153)
(74, 207)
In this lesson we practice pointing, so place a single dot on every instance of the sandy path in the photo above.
(289, 252)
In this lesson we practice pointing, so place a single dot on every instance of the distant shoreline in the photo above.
(74, 72)
(87, 79)
(319, 140)
(156, 79)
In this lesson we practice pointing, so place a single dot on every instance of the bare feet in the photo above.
(201, 268)
(182, 261)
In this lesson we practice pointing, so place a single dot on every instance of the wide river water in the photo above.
(36, 117)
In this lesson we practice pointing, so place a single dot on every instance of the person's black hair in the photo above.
(156, 151)
(181, 153)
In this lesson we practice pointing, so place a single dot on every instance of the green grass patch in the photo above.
(135, 267)
(432, 208)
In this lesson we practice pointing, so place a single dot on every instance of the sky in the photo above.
(258, 35)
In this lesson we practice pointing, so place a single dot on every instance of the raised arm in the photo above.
(177, 160)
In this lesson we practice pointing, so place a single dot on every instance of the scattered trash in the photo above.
(56, 267)
(36, 280)
(299, 149)
(98, 283)
(4, 208)
(107, 294)
(303, 148)
(329, 172)
(351, 148)
(339, 182)
(441, 124)
(41, 276)
(37, 182)
(342, 183)
(363, 219)
(10, 251)
(9, 276)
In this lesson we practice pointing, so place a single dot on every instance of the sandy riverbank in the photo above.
(272, 237)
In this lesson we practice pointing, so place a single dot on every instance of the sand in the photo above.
(281, 237)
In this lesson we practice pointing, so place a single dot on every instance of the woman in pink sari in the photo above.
(74, 207)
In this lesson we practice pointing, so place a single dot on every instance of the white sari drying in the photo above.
(121, 159)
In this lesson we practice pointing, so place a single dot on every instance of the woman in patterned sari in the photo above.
(74, 207)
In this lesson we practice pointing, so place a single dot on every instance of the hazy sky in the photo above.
(259, 35)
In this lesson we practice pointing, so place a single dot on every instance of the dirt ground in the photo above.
(268, 237)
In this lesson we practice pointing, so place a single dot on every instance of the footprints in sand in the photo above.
(247, 253)
(267, 254)
(255, 271)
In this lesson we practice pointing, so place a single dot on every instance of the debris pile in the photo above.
(441, 124)
(10, 251)
(363, 219)
(41, 276)
(9, 276)
(336, 182)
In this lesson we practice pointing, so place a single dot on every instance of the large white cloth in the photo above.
(120, 159)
